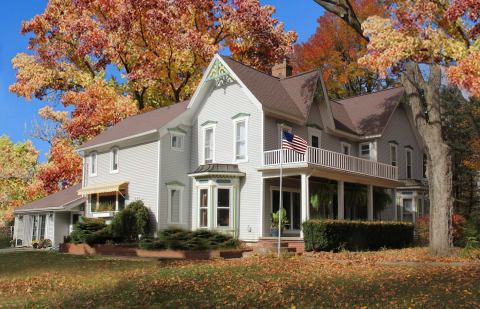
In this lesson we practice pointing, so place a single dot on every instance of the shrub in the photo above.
(152, 244)
(91, 231)
(131, 222)
(178, 239)
(327, 235)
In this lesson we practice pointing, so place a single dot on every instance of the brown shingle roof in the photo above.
(138, 124)
(368, 114)
(301, 89)
(266, 88)
(54, 200)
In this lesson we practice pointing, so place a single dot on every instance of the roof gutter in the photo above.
(82, 149)
(58, 208)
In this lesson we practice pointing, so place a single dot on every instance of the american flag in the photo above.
(294, 142)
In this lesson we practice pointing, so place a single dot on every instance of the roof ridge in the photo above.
(250, 67)
(364, 94)
(300, 74)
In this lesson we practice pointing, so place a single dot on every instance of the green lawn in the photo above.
(402, 278)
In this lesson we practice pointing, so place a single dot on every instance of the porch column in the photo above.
(341, 199)
(394, 203)
(305, 200)
(370, 203)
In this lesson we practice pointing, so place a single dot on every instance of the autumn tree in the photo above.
(335, 48)
(439, 34)
(17, 167)
(106, 60)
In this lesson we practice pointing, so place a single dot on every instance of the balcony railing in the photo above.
(332, 160)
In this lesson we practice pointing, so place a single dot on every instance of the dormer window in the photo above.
(93, 164)
(114, 160)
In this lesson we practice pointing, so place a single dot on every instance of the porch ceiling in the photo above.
(319, 171)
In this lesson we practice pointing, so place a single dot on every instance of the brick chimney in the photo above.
(283, 69)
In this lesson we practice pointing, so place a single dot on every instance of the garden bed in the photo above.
(124, 250)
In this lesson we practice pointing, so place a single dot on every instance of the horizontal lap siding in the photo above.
(220, 106)
(138, 165)
(175, 167)
(400, 130)
(62, 226)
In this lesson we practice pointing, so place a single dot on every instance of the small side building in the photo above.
(51, 217)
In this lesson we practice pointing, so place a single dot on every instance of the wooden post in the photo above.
(304, 195)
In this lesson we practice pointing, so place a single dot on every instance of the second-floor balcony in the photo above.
(331, 160)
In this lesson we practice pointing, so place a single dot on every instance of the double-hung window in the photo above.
(240, 135)
(177, 141)
(93, 164)
(393, 154)
(365, 149)
(209, 145)
(114, 160)
(223, 207)
(408, 162)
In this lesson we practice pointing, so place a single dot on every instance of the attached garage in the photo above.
(51, 217)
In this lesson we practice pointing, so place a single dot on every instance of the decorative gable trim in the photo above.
(239, 115)
(208, 122)
(219, 74)
(175, 183)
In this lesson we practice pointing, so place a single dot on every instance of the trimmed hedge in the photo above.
(91, 231)
(334, 235)
(178, 239)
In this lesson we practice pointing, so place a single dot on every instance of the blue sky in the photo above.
(17, 114)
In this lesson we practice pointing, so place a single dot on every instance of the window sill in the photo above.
(241, 161)
(114, 172)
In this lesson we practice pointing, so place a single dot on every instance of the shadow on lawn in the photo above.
(395, 288)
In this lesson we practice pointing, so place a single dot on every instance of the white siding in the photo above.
(62, 226)
(400, 131)
(220, 106)
(137, 164)
(175, 167)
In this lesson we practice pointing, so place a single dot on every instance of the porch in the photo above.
(308, 194)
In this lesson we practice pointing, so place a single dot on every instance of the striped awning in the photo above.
(103, 188)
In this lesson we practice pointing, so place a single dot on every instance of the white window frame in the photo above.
(368, 157)
(314, 132)
(235, 122)
(348, 145)
(93, 163)
(408, 151)
(180, 189)
(393, 146)
(177, 135)
(112, 171)
(230, 207)
(212, 150)
(199, 196)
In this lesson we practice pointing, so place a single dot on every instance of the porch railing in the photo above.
(331, 159)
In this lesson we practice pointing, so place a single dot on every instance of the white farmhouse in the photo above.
(214, 162)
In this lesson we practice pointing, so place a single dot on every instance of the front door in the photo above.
(292, 205)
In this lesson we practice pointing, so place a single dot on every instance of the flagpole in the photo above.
(281, 193)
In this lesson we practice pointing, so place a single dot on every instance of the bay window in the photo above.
(203, 204)
(223, 207)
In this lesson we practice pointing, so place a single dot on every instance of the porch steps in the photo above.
(269, 245)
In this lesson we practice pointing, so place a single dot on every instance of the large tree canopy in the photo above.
(335, 47)
(17, 167)
(106, 60)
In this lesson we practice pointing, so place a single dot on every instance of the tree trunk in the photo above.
(423, 97)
